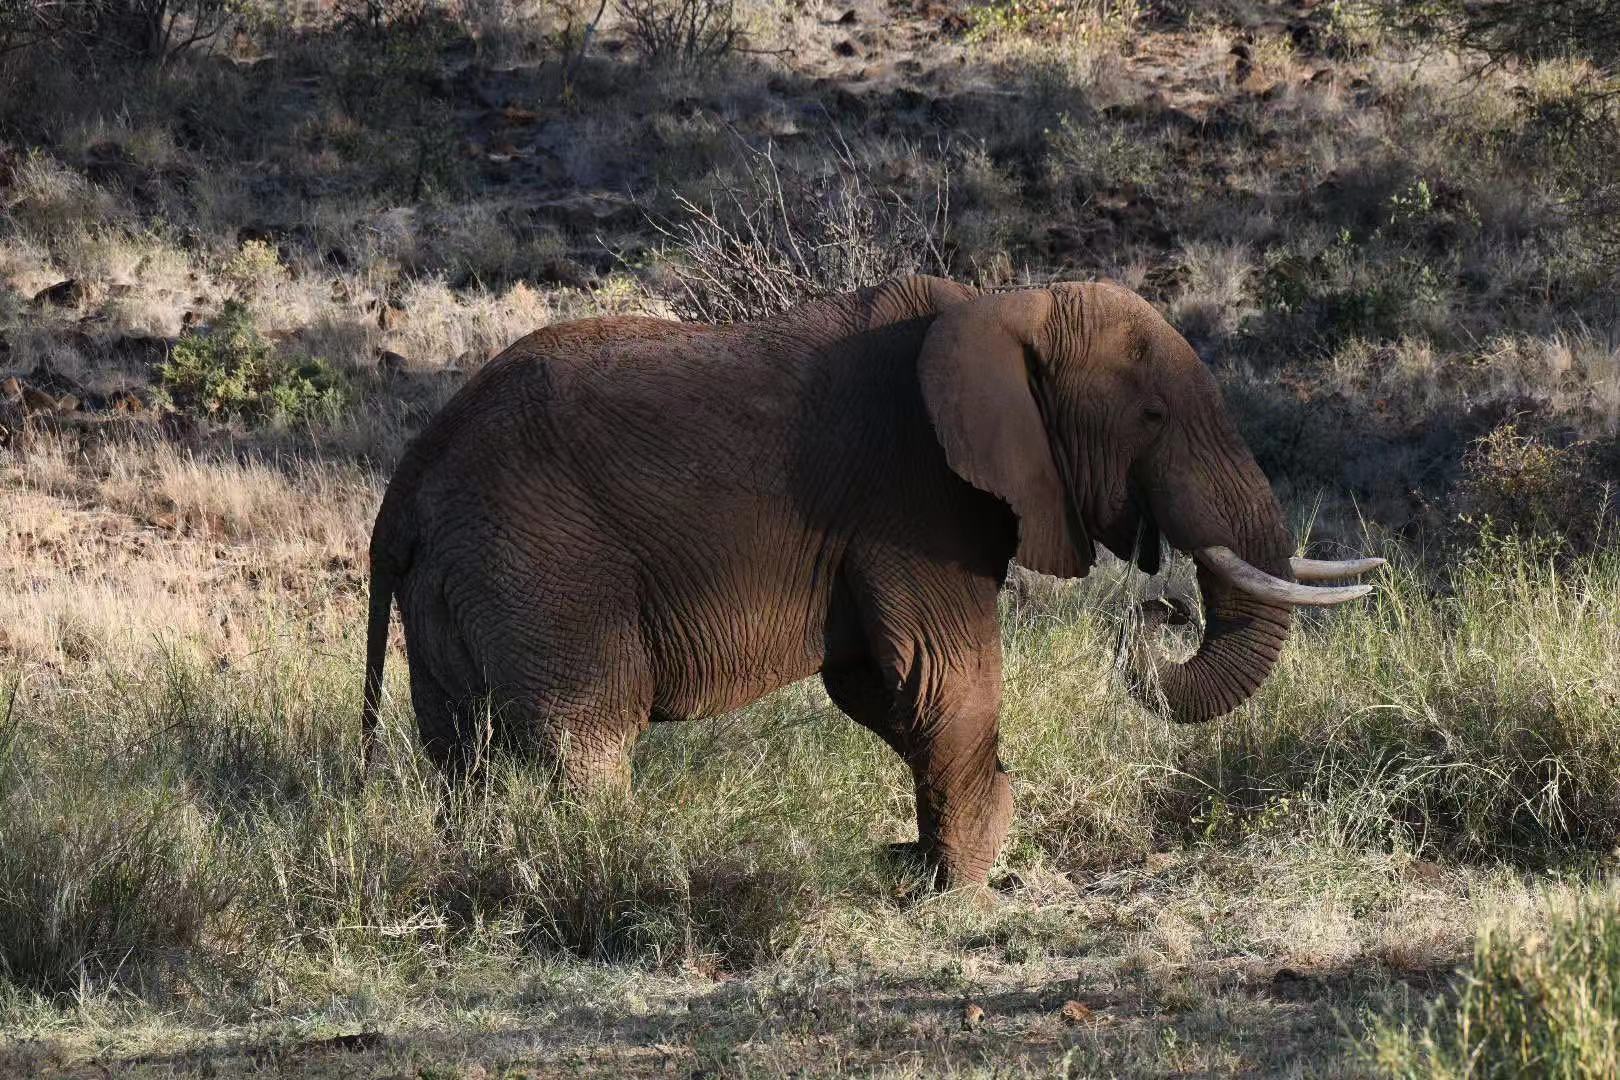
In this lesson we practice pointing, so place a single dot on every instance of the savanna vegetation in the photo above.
(247, 248)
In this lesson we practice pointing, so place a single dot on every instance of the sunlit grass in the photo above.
(172, 827)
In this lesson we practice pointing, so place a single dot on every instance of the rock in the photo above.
(391, 363)
(55, 383)
(845, 48)
(67, 403)
(566, 273)
(848, 17)
(1427, 872)
(107, 161)
(37, 401)
(11, 389)
(972, 1015)
(69, 293)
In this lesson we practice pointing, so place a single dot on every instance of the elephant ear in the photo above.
(974, 369)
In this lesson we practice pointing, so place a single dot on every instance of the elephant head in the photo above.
(1095, 422)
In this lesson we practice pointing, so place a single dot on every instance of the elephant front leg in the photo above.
(964, 799)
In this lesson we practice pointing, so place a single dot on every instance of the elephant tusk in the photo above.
(1225, 563)
(1332, 569)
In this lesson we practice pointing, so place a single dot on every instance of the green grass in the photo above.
(1534, 1004)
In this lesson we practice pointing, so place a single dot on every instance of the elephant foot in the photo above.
(923, 874)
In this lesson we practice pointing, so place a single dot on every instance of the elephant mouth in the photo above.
(1148, 544)
(1134, 536)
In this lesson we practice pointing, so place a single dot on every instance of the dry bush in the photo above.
(691, 35)
(772, 239)
(156, 30)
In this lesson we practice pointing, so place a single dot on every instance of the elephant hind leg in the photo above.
(456, 730)
(587, 749)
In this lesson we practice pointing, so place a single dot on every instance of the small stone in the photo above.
(972, 1015)
(1076, 1012)
(1425, 871)
(11, 389)
(67, 403)
(391, 363)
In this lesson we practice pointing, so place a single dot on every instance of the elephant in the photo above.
(625, 520)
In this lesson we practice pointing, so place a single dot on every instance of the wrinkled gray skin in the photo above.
(625, 520)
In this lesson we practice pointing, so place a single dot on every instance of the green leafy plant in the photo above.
(1344, 291)
(233, 370)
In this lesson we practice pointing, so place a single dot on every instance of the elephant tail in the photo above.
(383, 583)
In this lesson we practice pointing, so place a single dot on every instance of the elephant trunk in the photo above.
(1243, 636)
(1247, 614)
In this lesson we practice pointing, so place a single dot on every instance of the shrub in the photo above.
(1569, 135)
(1340, 290)
(1095, 156)
(771, 240)
(1542, 1005)
(1521, 484)
(391, 80)
(231, 369)
(157, 30)
(255, 267)
(693, 35)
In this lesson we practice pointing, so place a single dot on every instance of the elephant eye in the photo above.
(1154, 412)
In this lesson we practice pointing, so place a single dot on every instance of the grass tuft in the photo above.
(1534, 1004)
